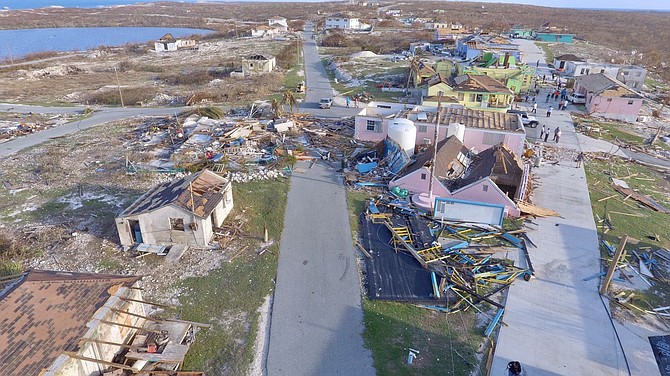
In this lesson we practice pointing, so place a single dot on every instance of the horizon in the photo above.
(616, 5)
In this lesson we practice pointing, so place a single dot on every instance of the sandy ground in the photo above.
(258, 366)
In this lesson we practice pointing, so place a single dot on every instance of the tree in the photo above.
(289, 99)
(277, 108)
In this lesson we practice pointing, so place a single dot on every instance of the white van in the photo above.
(576, 98)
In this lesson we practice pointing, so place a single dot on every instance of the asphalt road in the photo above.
(317, 319)
(97, 118)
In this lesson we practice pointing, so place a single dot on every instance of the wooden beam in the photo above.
(130, 326)
(105, 342)
(136, 315)
(144, 302)
(613, 264)
(99, 361)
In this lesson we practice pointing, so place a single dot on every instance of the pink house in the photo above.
(608, 97)
(480, 129)
(494, 176)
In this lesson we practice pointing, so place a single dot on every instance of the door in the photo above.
(135, 231)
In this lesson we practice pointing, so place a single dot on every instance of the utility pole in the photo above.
(118, 85)
(432, 164)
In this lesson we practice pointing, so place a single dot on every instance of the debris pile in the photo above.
(446, 266)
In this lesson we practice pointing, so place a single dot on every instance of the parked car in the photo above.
(576, 98)
(527, 120)
(326, 103)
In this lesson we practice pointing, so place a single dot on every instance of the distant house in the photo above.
(504, 68)
(394, 12)
(341, 21)
(263, 31)
(555, 37)
(64, 323)
(632, 76)
(608, 97)
(493, 176)
(278, 22)
(258, 64)
(472, 91)
(419, 73)
(170, 43)
(481, 129)
(560, 62)
(475, 45)
(182, 211)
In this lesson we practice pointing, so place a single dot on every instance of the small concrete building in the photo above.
(170, 43)
(277, 21)
(182, 211)
(258, 64)
(343, 21)
(608, 97)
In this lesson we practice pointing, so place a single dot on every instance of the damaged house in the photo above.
(608, 97)
(494, 176)
(81, 324)
(182, 211)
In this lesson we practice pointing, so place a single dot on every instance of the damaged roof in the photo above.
(447, 152)
(477, 119)
(608, 87)
(478, 84)
(167, 38)
(496, 159)
(258, 57)
(45, 313)
(569, 57)
(206, 188)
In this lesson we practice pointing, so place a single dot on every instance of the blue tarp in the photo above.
(364, 168)
(395, 156)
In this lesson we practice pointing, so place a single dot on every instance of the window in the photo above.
(478, 98)
(440, 93)
(471, 98)
(602, 70)
(485, 188)
(582, 71)
(609, 99)
(461, 96)
(373, 126)
(423, 176)
(588, 71)
(493, 138)
(177, 224)
(630, 102)
(422, 128)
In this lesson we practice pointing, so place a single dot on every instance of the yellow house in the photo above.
(518, 78)
(419, 72)
(472, 91)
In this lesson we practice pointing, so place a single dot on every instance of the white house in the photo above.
(264, 31)
(258, 64)
(182, 211)
(344, 22)
(278, 21)
(170, 43)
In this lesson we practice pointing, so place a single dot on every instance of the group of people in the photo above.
(546, 131)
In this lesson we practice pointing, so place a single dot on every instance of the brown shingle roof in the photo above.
(208, 191)
(46, 313)
(478, 83)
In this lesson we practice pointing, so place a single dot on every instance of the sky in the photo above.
(593, 4)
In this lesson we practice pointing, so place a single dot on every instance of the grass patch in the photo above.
(228, 298)
(392, 328)
(548, 53)
(356, 203)
(638, 222)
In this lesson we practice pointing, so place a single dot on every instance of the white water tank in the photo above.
(403, 132)
(456, 129)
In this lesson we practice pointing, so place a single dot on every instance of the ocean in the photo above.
(18, 43)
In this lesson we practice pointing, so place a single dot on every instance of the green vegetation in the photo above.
(548, 53)
(615, 132)
(228, 298)
(356, 203)
(446, 343)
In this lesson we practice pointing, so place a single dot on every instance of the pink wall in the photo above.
(473, 137)
(415, 184)
(493, 195)
(616, 108)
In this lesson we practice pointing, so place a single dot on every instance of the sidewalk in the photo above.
(557, 322)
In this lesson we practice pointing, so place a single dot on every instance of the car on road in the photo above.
(576, 98)
(527, 120)
(326, 103)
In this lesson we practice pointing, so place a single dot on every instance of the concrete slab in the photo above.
(317, 318)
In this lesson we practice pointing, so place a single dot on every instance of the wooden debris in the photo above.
(643, 199)
(536, 211)
(607, 198)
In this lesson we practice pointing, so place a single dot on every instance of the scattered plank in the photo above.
(536, 211)
(607, 198)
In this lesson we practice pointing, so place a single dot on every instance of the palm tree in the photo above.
(289, 99)
(277, 108)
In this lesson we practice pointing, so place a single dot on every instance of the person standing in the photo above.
(534, 98)
(542, 132)
(549, 111)
(548, 95)
(560, 105)
(557, 134)
(580, 159)
(348, 102)
(546, 134)
(534, 110)
(526, 100)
